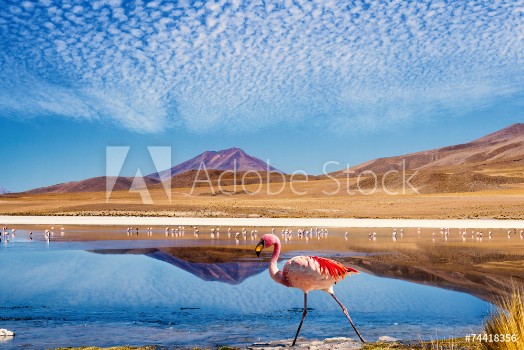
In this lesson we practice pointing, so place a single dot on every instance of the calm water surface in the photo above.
(109, 293)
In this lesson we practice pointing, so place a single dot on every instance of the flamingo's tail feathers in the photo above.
(351, 270)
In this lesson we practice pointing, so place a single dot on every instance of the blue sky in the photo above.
(299, 82)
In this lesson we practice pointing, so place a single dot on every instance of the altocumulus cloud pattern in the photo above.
(345, 65)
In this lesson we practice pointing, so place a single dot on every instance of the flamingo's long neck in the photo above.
(274, 272)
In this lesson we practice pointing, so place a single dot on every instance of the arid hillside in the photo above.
(492, 162)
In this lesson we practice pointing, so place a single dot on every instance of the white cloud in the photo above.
(244, 66)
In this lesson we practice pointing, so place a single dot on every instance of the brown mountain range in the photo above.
(95, 184)
(218, 166)
(490, 162)
(504, 148)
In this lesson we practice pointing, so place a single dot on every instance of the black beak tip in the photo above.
(258, 254)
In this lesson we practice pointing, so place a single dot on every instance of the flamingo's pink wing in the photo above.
(313, 273)
(333, 268)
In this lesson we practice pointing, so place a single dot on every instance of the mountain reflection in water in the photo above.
(227, 265)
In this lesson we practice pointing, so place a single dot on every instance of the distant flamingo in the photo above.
(306, 273)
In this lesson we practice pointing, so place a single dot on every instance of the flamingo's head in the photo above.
(266, 241)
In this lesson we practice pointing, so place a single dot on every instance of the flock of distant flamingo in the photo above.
(214, 233)
(445, 233)
(315, 233)
(8, 234)
(286, 234)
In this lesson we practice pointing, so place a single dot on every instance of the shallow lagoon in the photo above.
(80, 293)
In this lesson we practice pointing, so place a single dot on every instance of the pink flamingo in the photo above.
(306, 273)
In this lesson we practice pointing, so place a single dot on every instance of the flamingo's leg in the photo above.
(349, 318)
(304, 313)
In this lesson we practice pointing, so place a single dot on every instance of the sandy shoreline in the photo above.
(257, 222)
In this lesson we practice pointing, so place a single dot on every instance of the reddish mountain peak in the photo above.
(232, 150)
(223, 152)
(227, 159)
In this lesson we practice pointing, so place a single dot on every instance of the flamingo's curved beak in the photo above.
(259, 248)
